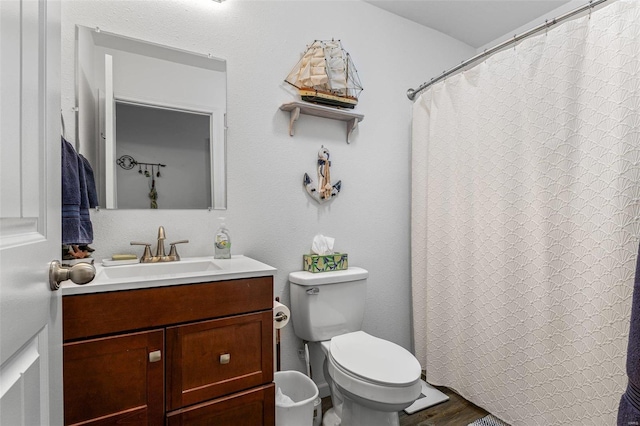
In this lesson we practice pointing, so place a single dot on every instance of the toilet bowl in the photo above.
(370, 379)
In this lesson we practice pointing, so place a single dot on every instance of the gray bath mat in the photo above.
(488, 421)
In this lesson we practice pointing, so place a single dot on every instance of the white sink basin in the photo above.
(185, 271)
(189, 266)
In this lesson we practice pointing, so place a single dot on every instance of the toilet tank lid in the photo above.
(353, 273)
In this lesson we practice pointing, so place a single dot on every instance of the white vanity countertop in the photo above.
(186, 271)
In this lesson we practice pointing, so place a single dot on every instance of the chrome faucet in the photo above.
(160, 255)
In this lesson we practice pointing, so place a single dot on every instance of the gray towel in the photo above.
(76, 222)
(90, 181)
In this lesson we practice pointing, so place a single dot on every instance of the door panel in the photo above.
(212, 358)
(20, 377)
(255, 407)
(111, 380)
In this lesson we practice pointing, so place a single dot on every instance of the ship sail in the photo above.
(325, 74)
(336, 67)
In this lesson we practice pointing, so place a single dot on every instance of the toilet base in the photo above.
(354, 414)
(330, 418)
(372, 417)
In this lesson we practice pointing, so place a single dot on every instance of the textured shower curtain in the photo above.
(526, 220)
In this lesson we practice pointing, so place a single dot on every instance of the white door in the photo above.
(30, 313)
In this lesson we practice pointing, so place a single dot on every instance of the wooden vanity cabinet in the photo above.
(193, 354)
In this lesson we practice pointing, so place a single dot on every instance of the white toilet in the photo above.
(370, 379)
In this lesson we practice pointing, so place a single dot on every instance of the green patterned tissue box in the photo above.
(325, 263)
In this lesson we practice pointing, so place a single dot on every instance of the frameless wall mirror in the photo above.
(151, 120)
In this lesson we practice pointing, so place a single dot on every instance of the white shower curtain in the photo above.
(525, 222)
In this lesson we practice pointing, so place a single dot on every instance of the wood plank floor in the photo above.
(457, 411)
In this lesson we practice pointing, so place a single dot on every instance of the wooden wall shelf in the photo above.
(296, 108)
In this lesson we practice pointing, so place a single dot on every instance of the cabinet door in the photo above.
(255, 407)
(115, 380)
(209, 359)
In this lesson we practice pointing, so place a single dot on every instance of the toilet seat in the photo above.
(365, 367)
(375, 360)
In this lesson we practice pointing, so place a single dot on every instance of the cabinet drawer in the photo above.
(209, 359)
(255, 407)
(87, 315)
(113, 381)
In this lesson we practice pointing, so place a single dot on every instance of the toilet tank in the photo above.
(327, 304)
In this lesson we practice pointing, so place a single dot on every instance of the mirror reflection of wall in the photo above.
(179, 140)
(113, 70)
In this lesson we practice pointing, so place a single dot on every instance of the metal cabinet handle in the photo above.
(225, 358)
(80, 273)
(155, 356)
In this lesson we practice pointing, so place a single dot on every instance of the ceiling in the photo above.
(474, 22)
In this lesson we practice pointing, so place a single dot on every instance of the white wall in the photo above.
(270, 216)
(177, 139)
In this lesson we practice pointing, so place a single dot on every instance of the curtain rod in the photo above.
(411, 93)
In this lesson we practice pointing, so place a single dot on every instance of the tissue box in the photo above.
(325, 263)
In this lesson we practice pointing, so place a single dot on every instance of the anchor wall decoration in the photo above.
(325, 190)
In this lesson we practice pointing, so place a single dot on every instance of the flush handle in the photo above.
(314, 291)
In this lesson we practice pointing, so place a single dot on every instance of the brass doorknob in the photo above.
(80, 273)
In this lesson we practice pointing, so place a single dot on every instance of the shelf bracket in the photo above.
(351, 126)
(295, 114)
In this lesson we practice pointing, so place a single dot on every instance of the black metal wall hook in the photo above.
(127, 162)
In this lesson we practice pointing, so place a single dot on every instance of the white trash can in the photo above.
(295, 395)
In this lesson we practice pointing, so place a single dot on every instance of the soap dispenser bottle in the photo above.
(223, 242)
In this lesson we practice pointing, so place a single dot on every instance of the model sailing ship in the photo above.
(326, 75)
